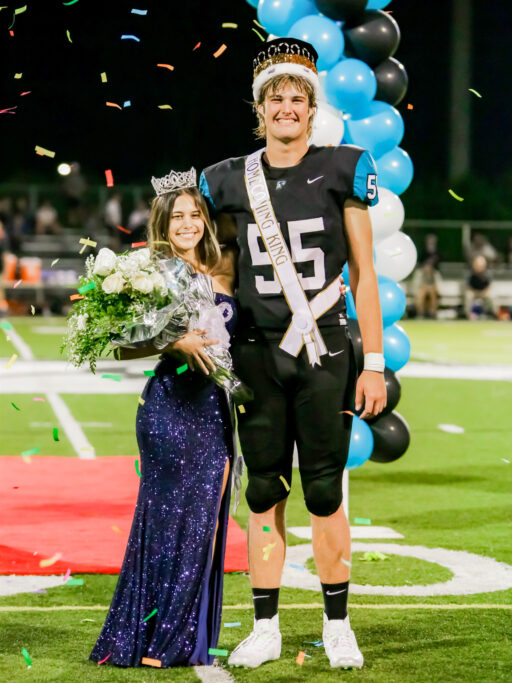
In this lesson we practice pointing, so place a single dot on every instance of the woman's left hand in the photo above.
(371, 389)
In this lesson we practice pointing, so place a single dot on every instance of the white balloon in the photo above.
(395, 256)
(387, 216)
(321, 96)
(328, 126)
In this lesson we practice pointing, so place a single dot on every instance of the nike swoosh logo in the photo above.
(314, 179)
(336, 592)
(337, 353)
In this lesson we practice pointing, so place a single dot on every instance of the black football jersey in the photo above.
(308, 202)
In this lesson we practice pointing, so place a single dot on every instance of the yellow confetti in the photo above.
(229, 24)
(164, 106)
(32, 309)
(18, 75)
(69, 36)
(87, 242)
(267, 550)
(456, 196)
(241, 409)
(221, 49)
(44, 152)
(11, 361)
(258, 34)
(103, 77)
(475, 92)
(258, 24)
(50, 560)
(141, 400)
(285, 483)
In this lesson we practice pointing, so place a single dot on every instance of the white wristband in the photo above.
(374, 361)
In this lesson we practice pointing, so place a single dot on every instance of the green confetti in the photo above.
(15, 406)
(20, 10)
(362, 520)
(6, 325)
(87, 287)
(31, 451)
(137, 468)
(456, 196)
(26, 656)
(151, 614)
(70, 3)
(112, 375)
(373, 557)
(219, 653)
(181, 369)
(69, 36)
(475, 92)
(258, 34)
(56, 434)
(266, 528)
(149, 373)
(74, 582)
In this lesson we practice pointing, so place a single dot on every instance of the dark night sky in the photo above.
(210, 120)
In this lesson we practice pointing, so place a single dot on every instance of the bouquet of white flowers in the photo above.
(132, 300)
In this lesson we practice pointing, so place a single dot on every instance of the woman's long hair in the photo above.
(158, 227)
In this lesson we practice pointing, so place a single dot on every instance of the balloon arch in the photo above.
(361, 84)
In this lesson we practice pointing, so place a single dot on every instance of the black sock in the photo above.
(335, 599)
(266, 602)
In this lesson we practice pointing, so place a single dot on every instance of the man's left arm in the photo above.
(370, 387)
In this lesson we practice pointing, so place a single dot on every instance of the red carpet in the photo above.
(69, 506)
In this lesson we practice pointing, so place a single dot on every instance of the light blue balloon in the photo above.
(325, 36)
(381, 129)
(395, 170)
(392, 300)
(345, 274)
(350, 85)
(361, 444)
(397, 347)
(377, 4)
(253, 3)
(278, 16)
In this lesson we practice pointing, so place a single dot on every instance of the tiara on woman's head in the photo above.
(175, 180)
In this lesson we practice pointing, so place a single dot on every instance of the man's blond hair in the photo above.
(275, 85)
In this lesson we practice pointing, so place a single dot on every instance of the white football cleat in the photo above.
(263, 644)
(340, 644)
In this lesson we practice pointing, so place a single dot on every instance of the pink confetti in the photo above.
(37, 398)
(16, 284)
(66, 575)
(104, 660)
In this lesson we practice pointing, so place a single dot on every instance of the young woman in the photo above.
(174, 560)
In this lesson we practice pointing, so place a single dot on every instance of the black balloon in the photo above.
(394, 391)
(357, 343)
(340, 10)
(392, 81)
(372, 37)
(391, 437)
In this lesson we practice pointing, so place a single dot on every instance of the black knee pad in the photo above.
(322, 493)
(263, 492)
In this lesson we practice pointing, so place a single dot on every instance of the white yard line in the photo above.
(71, 427)
(24, 349)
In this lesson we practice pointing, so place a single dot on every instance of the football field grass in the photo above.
(450, 490)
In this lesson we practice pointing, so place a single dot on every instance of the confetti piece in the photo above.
(70, 3)
(11, 33)
(87, 242)
(109, 178)
(26, 656)
(54, 262)
(198, 45)
(297, 566)
(285, 483)
(86, 620)
(456, 196)
(50, 560)
(166, 66)
(8, 110)
(113, 104)
(104, 660)
(221, 49)
(266, 528)
(258, 24)
(346, 562)
(138, 244)
(258, 34)
(27, 92)
(117, 530)
(137, 468)
(362, 520)
(475, 92)
(87, 287)
(410, 106)
(127, 103)
(451, 429)
(26, 454)
(149, 373)
(18, 75)
(316, 643)
(219, 653)
(228, 24)
(151, 614)
(103, 77)
(66, 575)
(56, 434)
(112, 375)
(164, 106)
(5, 325)
(44, 152)
(17, 284)
(300, 658)
(15, 406)
(181, 369)
(38, 398)
(241, 409)
(267, 550)
(151, 662)
(32, 309)
(373, 557)
(68, 34)
(142, 12)
(20, 10)
(130, 37)
(41, 591)
(232, 624)
(504, 459)
(75, 297)
(141, 401)
(11, 361)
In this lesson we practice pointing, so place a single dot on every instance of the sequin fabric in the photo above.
(185, 437)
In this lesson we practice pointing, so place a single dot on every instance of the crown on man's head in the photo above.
(175, 180)
(284, 56)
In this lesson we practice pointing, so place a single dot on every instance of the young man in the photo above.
(298, 213)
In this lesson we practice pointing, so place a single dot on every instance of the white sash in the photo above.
(303, 328)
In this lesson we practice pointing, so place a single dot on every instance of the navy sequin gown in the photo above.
(185, 438)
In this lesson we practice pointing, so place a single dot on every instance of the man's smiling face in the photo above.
(286, 113)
